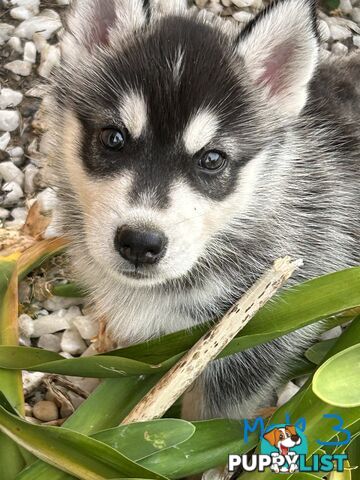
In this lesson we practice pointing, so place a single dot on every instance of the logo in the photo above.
(284, 449)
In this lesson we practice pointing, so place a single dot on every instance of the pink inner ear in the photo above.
(103, 20)
(275, 67)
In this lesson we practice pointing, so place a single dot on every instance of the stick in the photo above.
(179, 378)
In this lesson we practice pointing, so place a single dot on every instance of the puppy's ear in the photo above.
(95, 23)
(280, 51)
(271, 436)
(291, 429)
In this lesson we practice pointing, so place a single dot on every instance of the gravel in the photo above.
(29, 40)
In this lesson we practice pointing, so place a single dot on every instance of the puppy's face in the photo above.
(163, 140)
(283, 438)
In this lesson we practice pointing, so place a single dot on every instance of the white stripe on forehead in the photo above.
(133, 113)
(200, 130)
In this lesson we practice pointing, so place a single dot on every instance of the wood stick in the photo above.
(179, 378)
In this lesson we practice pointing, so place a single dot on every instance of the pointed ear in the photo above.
(94, 23)
(271, 437)
(280, 51)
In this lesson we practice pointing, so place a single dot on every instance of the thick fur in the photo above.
(182, 84)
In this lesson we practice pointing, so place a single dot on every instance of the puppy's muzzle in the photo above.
(140, 247)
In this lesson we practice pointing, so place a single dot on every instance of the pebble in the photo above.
(243, 3)
(9, 120)
(287, 393)
(4, 213)
(11, 173)
(55, 322)
(4, 140)
(6, 32)
(13, 193)
(86, 326)
(339, 32)
(243, 17)
(21, 13)
(339, 49)
(15, 44)
(19, 67)
(31, 172)
(45, 411)
(346, 6)
(356, 14)
(31, 381)
(26, 325)
(50, 342)
(72, 342)
(56, 303)
(48, 22)
(30, 52)
(19, 214)
(356, 41)
(10, 98)
(16, 155)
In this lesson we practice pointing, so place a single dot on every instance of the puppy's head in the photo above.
(283, 438)
(164, 118)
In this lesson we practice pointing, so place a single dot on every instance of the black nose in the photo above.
(295, 438)
(140, 246)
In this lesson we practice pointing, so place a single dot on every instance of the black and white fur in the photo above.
(182, 83)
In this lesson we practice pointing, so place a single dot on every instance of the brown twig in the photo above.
(182, 375)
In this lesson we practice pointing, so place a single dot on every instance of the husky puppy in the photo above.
(189, 156)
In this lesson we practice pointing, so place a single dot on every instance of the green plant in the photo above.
(92, 445)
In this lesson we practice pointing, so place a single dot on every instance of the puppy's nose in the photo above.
(295, 438)
(140, 246)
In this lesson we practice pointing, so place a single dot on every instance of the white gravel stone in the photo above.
(6, 32)
(26, 325)
(72, 342)
(50, 58)
(86, 326)
(48, 22)
(356, 14)
(243, 3)
(11, 173)
(21, 13)
(356, 41)
(16, 155)
(63, 2)
(346, 6)
(39, 91)
(242, 17)
(19, 213)
(56, 303)
(31, 172)
(55, 322)
(50, 342)
(13, 193)
(4, 140)
(330, 334)
(9, 120)
(19, 67)
(46, 411)
(10, 98)
(287, 393)
(47, 200)
(32, 380)
(15, 44)
(339, 48)
(30, 52)
(4, 213)
(339, 32)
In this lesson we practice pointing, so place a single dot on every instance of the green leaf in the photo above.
(209, 447)
(140, 440)
(318, 352)
(74, 453)
(337, 381)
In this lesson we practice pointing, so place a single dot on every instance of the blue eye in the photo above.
(112, 139)
(212, 161)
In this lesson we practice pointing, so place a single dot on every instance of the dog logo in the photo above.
(284, 443)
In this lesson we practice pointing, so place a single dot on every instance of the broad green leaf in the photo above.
(337, 381)
(140, 440)
(72, 452)
(318, 352)
(68, 290)
(105, 408)
(209, 447)
(99, 366)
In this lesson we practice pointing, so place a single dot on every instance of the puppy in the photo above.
(188, 156)
(283, 439)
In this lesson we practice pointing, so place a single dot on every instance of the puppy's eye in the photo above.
(212, 161)
(112, 138)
